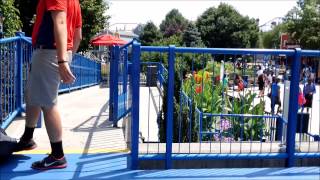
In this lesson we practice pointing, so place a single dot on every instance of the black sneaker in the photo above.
(50, 162)
(25, 145)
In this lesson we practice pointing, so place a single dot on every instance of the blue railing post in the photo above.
(200, 125)
(111, 77)
(125, 69)
(135, 74)
(293, 108)
(99, 66)
(279, 128)
(115, 67)
(19, 78)
(169, 132)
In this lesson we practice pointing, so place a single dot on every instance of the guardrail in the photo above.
(183, 124)
(15, 57)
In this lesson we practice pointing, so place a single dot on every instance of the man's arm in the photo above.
(77, 39)
(60, 35)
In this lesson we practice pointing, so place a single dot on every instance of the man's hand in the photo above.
(66, 74)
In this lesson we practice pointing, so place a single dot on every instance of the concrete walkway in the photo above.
(86, 125)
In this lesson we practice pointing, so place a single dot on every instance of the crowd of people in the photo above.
(267, 81)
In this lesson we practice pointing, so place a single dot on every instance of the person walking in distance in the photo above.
(56, 35)
(275, 95)
(308, 90)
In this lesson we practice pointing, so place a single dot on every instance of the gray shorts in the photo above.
(44, 79)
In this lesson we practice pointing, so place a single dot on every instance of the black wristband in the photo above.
(60, 62)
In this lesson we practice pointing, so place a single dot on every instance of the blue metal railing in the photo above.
(85, 70)
(279, 128)
(15, 57)
(273, 129)
(119, 101)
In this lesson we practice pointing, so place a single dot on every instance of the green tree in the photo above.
(303, 24)
(94, 20)
(138, 29)
(172, 40)
(225, 27)
(12, 21)
(191, 37)
(173, 24)
(27, 14)
(271, 39)
(150, 34)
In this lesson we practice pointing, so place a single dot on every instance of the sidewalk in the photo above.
(86, 127)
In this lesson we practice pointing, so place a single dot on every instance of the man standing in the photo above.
(56, 34)
(275, 95)
(308, 90)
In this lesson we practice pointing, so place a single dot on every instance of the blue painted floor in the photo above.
(114, 166)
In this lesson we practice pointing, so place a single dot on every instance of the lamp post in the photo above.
(1, 25)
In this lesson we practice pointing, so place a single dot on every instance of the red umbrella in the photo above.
(107, 40)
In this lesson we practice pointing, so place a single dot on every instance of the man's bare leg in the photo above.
(32, 115)
(53, 124)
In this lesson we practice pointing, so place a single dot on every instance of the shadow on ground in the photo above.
(114, 166)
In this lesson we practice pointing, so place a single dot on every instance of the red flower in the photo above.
(197, 78)
(198, 89)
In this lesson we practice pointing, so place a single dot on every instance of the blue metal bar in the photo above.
(111, 84)
(135, 74)
(229, 156)
(26, 39)
(8, 120)
(293, 108)
(170, 107)
(315, 53)
(215, 156)
(242, 115)
(152, 157)
(234, 51)
(219, 50)
(128, 44)
(115, 85)
(200, 126)
(125, 77)
(154, 49)
(19, 78)
(125, 73)
(279, 129)
(307, 155)
(9, 40)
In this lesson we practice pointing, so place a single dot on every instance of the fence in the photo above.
(119, 99)
(15, 57)
(198, 109)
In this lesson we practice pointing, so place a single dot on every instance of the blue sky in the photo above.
(141, 11)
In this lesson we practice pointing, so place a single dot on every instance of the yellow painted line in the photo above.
(77, 151)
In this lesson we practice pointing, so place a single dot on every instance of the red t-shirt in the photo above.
(43, 32)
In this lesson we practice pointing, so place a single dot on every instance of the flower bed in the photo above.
(210, 99)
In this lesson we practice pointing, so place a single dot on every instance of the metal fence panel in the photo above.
(15, 58)
(210, 114)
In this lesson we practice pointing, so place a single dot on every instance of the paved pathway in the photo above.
(86, 127)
